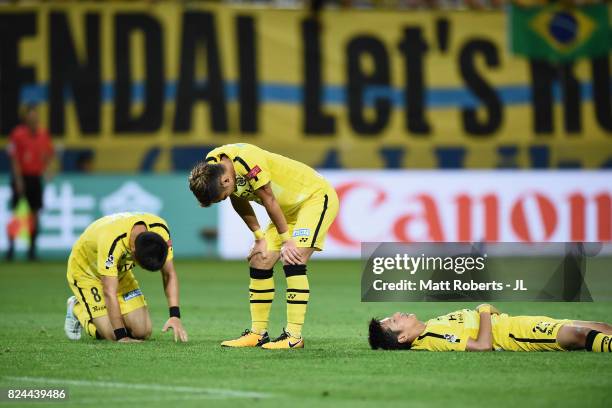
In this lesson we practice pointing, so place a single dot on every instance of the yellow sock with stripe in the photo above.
(261, 295)
(598, 342)
(83, 316)
(298, 293)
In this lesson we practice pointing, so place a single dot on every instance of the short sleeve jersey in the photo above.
(103, 248)
(449, 332)
(292, 182)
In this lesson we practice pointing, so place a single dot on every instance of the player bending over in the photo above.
(485, 329)
(107, 300)
(301, 204)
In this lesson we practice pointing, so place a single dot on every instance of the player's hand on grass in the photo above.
(260, 246)
(128, 340)
(175, 324)
(290, 253)
(485, 307)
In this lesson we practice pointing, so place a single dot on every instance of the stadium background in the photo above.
(427, 124)
(142, 90)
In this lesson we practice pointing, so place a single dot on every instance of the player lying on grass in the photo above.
(301, 205)
(107, 301)
(485, 329)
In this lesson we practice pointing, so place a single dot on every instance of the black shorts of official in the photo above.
(33, 187)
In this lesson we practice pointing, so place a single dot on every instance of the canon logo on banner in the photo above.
(533, 216)
(423, 206)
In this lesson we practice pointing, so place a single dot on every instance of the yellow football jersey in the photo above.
(292, 182)
(510, 333)
(103, 248)
(449, 332)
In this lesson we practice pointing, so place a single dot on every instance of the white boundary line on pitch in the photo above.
(204, 392)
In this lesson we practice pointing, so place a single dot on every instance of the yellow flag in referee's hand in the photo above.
(21, 224)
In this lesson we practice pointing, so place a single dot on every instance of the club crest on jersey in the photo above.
(109, 261)
(253, 173)
(241, 181)
(301, 232)
(451, 338)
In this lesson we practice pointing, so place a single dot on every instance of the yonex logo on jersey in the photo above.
(301, 232)
(132, 294)
(109, 261)
(253, 173)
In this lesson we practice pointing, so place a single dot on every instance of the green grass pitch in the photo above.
(336, 368)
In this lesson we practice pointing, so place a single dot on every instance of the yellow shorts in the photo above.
(89, 292)
(534, 333)
(309, 224)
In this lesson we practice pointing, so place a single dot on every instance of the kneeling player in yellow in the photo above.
(302, 206)
(107, 301)
(485, 329)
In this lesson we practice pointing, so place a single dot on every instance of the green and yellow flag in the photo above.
(560, 33)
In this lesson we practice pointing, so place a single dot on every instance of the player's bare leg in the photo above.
(261, 295)
(138, 323)
(599, 326)
(575, 337)
(104, 328)
(298, 294)
(268, 261)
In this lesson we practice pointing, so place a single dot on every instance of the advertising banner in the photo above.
(452, 206)
(73, 202)
(157, 85)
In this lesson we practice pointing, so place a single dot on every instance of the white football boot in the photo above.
(72, 327)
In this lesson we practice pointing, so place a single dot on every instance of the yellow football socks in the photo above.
(598, 342)
(298, 293)
(261, 294)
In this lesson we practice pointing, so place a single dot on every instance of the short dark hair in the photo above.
(205, 182)
(151, 251)
(385, 339)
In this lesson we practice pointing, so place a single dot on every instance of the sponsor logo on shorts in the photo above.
(301, 232)
(132, 294)
(109, 261)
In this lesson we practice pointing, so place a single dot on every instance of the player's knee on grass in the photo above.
(141, 332)
(572, 337)
(259, 262)
(139, 323)
(103, 328)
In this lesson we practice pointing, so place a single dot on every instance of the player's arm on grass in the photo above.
(289, 251)
(171, 288)
(108, 255)
(484, 341)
